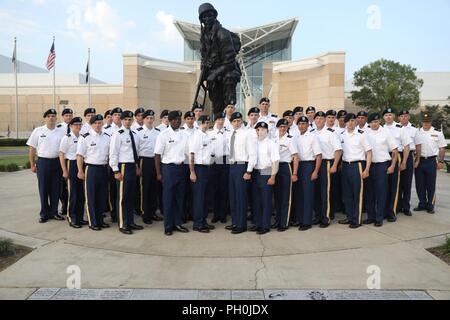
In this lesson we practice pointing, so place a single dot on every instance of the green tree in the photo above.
(386, 83)
(440, 117)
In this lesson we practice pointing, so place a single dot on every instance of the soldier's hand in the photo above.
(440, 166)
(118, 176)
(247, 177)
(80, 175)
(159, 177)
(391, 170)
(294, 178)
(138, 172)
(315, 176)
(33, 168)
(271, 181)
(193, 177)
(365, 174)
(65, 174)
(333, 169)
(416, 164)
(403, 167)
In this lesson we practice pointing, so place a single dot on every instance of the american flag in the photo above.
(51, 57)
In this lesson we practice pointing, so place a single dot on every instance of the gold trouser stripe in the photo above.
(141, 180)
(328, 191)
(86, 195)
(68, 192)
(121, 197)
(360, 193)
(290, 197)
(109, 197)
(398, 187)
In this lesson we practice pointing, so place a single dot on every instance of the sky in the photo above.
(414, 32)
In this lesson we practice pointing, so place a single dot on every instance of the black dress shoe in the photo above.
(43, 220)
(105, 226)
(95, 228)
(274, 226)
(230, 228)
(263, 231)
(215, 220)
(295, 224)
(253, 229)
(282, 229)
(180, 229)
(84, 223)
(168, 233)
(369, 221)
(126, 231)
(202, 230)
(378, 224)
(391, 219)
(75, 226)
(354, 226)
(431, 211)
(419, 209)
(345, 222)
(324, 225)
(408, 213)
(305, 227)
(238, 231)
(210, 226)
(57, 217)
(157, 218)
(147, 221)
(136, 227)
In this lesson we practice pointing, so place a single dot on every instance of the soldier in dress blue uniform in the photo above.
(67, 116)
(264, 159)
(357, 159)
(92, 162)
(431, 160)
(287, 175)
(220, 170)
(200, 150)
(124, 161)
(384, 160)
(170, 155)
(44, 142)
(148, 182)
(310, 154)
(68, 160)
(137, 127)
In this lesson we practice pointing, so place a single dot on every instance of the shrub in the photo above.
(13, 142)
(27, 165)
(12, 167)
(447, 245)
(6, 247)
(2, 168)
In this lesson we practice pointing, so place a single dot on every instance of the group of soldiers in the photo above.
(295, 171)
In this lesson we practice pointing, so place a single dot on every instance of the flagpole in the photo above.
(54, 82)
(89, 77)
(17, 90)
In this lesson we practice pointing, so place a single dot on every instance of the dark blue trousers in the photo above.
(377, 184)
(353, 189)
(95, 193)
(406, 178)
(187, 211)
(75, 192)
(337, 202)
(393, 191)
(174, 189)
(126, 198)
(323, 193)
(148, 188)
(199, 196)
(112, 194)
(262, 195)
(49, 182)
(294, 194)
(283, 195)
(238, 195)
(219, 175)
(426, 175)
(305, 193)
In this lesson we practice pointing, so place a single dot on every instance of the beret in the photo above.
(350, 116)
(331, 113)
(320, 114)
(403, 112)
(262, 125)
(220, 115)
(189, 114)
(310, 108)
(253, 110)
(282, 122)
(126, 114)
(139, 110)
(50, 112)
(108, 113)
(96, 118)
(174, 115)
(264, 100)
(235, 116)
(67, 111)
(117, 110)
(373, 117)
(204, 119)
(342, 113)
(89, 110)
(197, 106)
(288, 113)
(426, 118)
(164, 113)
(303, 119)
(76, 120)
(362, 114)
(388, 110)
(149, 113)
(298, 109)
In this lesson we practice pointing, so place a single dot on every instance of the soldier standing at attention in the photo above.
(44, 142)
(170, 155)
(198, 112)
(164, 117)
(68, 160)
(92, 162)
(268, 117)
(136, 128)
(298, 112)
(362, 121)
(310, 113)
(431, 160)
(67, 116)
(139, 119)
(357, 160)
(108, 120)
(88, 114)
(188, 130)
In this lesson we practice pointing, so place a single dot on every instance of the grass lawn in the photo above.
(19, 160)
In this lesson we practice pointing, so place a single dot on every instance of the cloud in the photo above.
(169, 32)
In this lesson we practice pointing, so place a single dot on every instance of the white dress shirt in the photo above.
(287, 147)
(147, 141)
(329, 143)
(46, 142)
(68, 146)
(94, 148)
(262, 155)
(415, 136)
(243, 139)
(121, 148)
(219, 144)
(382, 144)
(272, 121)
(308, 145)
(85, 128)
(171, 146)
(294, 131)
(201, 146)
(112, 129)
(162, 127)
(433, 140)
(354, 146)
(135, 126)
(401, 137)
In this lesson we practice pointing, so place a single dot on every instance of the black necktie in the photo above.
(68, 129)
(133, 144)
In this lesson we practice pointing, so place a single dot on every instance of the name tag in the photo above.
(171, 141)
(43, 136)
(93, 144)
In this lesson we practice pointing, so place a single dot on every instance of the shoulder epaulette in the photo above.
(132, 132)
(59, 126)
(245, 123)
(182, 128)
(312, 130)
(157, 129)
(399, 126)
(360, 131)
(107, 134)
(121, 131)
(227, 130)
(109, 126)
(413, 126)
(86, 135)
(332, 130)
(140, 129)
(68, 135)
(290, 137)
(274, 116)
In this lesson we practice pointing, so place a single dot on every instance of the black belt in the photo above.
(202, 165)
(41, 158)
(427, 158)
(312, 161)
(151, 158)
(238, 163)
(173, 164)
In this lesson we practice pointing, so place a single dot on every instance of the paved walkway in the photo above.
(336, 258)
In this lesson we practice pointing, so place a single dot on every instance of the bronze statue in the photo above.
(220, 70)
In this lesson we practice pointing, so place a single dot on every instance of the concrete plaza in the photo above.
(219, 264)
